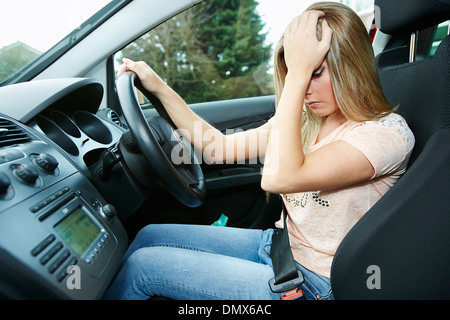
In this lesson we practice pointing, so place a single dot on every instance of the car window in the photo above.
(220, 49)
(45, 29)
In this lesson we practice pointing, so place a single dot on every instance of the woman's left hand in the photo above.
(303, 52)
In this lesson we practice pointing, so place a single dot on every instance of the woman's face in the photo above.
(319, 94)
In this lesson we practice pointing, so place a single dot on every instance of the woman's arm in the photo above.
(216, 147)
(287, 169)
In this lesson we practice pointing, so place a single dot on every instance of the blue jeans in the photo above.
(183, 262)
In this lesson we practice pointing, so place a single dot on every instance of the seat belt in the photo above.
(287, 277)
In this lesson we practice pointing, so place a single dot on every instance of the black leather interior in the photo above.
(406, 234)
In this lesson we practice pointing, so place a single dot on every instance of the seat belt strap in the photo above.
(287, 277)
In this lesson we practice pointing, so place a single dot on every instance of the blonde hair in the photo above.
(352, 67)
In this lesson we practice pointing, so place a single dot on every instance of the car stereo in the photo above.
(74, 231)
(45, 245)
(79, 231)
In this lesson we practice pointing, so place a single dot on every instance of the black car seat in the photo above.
(401, 248)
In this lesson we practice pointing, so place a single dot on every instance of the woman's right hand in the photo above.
(149, 79)
(303, 52)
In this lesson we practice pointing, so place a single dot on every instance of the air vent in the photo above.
(115, 118)
(11, 134)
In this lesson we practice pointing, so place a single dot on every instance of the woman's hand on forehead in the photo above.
(303, 51)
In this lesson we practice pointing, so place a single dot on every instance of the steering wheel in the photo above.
(157, 140)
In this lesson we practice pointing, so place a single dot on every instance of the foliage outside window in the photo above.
(216, 50)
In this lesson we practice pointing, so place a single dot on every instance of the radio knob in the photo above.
(4, 184)
(47, 162)
(27, 174)
(109, 212)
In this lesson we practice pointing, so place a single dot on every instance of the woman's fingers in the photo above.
(327, 34)
(130, 65)
(149, 79)
(123, 68)
(306, 22)
(140, 68)
(303, 50)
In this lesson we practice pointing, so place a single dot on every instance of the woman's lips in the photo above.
(311, 103)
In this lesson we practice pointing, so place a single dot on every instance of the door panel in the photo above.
(237, 114)
(244, 113)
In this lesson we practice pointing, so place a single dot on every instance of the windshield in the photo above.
(33, 30)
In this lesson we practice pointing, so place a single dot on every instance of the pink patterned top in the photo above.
(318, 221)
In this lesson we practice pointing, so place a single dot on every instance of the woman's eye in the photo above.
(318, 74)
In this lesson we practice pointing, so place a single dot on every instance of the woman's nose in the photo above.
(309, 90)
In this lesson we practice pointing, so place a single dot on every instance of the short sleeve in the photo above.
(386, 145)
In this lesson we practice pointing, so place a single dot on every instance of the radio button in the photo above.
(51, 253)
(41, 246)
(63, 273)
(59, 261)
(49, 200)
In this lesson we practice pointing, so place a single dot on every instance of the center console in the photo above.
(58, 236)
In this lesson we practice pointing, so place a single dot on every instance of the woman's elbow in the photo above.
(264, 185)
(273, 184)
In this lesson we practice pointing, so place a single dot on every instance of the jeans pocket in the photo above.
(315, 287)
(313, 292)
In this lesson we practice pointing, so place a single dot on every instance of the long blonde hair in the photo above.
(352, 67)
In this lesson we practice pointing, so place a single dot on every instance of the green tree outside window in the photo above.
(213, 51)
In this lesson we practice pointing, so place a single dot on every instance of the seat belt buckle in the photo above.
(287, 285)
(293, 295)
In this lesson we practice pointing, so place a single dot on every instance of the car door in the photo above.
(217, 58)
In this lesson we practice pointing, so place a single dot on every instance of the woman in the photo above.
(327, 156)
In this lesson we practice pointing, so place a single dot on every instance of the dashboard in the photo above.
(61, 234)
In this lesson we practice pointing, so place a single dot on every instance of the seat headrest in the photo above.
(402, 16)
